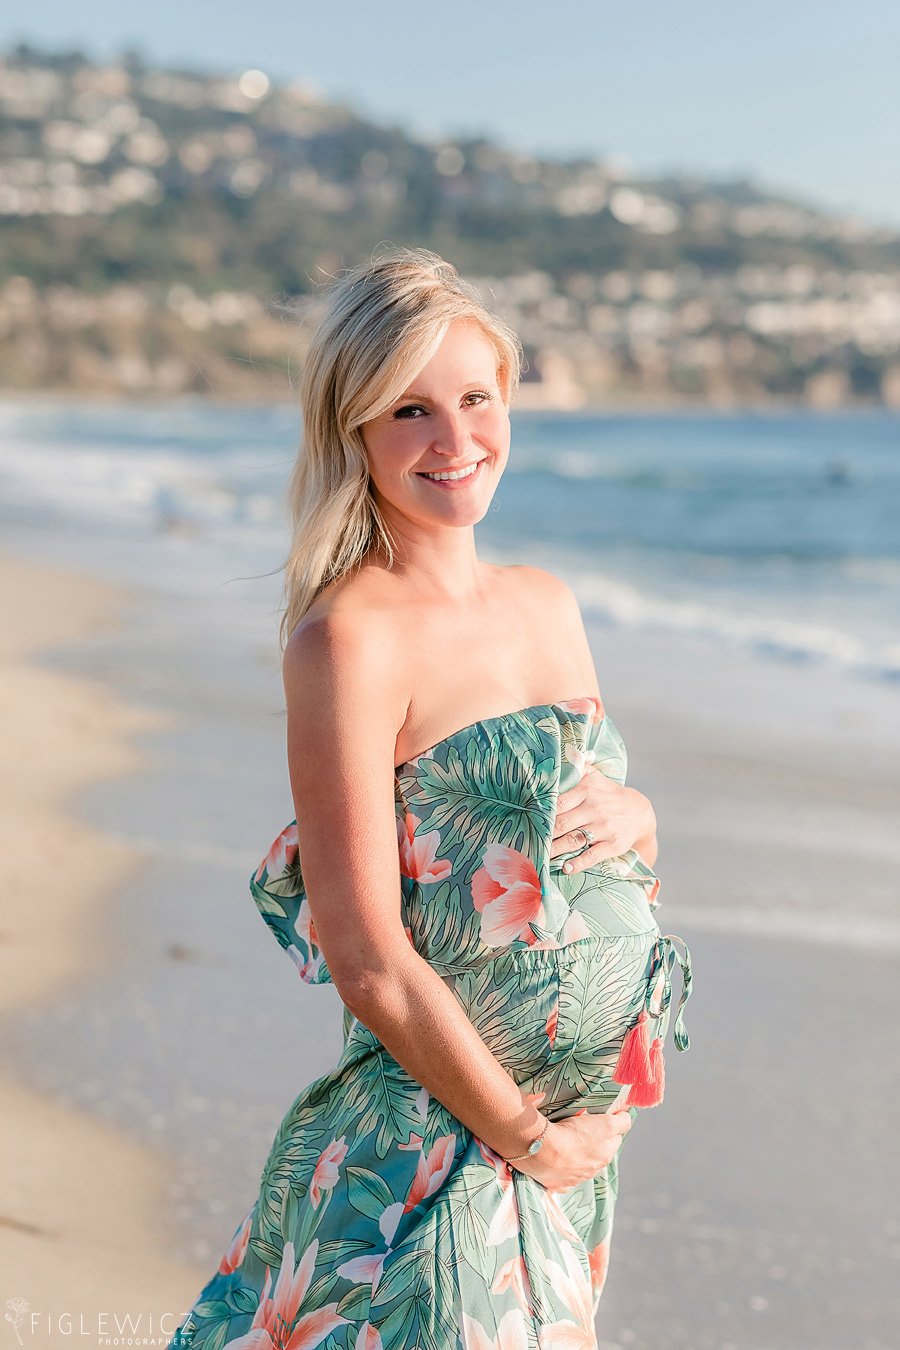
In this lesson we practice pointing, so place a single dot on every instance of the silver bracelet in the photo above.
(533, 1146)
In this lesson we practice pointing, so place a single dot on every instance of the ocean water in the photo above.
(780, 533)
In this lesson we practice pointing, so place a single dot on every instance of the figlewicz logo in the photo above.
(16, 1310)
(108, 1328)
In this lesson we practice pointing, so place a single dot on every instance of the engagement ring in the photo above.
(588, 835)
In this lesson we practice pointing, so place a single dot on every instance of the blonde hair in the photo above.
(375, 328)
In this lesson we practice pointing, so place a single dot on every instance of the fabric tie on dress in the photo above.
(641, 1066)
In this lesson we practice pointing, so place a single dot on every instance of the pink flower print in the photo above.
(431, 1171)
(280, 856)
(368, 1268)
(580, 758)
(418, 854)
(274, 1317)
(552, 1021)
(598, 1261)
(498, 1163)
(505, 1220)
(363, 1268)
(235, 1254)
(308, 967)
(306, 929)
(574, 1288)
(575, 928)
(506, 891)
(421, 1103)
(325, 1177)
(557, 1215)
(368, 1338)
(513, 1275)
(511, 1333)
(591, 705)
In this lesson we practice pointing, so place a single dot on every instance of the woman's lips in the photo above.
(453, 482)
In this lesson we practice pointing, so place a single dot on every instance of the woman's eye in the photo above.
(412, 411)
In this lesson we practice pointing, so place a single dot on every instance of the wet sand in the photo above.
(83, 1235)
(758, 1207)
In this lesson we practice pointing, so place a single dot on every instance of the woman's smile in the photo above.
(454, 478)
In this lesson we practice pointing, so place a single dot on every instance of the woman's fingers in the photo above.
(593, 798)
(591, 779)
(599, 849)
(613, 814)
(621, 1121)
(568, 841)
(598, 852)
(568, 806)
(592, 786)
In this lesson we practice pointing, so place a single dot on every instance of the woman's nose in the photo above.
(452, 438)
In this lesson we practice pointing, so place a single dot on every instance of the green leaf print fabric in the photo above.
(381, 1222)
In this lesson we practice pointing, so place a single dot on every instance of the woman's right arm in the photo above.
(345, 706)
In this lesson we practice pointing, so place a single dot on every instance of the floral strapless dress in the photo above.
(381, 1222)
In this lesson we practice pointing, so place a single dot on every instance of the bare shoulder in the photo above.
(343, 655)
(352, 618)
(550, 593)
(334, 639)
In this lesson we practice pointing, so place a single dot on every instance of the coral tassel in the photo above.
(651, 1092)
(633, 1064)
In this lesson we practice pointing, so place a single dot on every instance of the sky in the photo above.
(800, 97)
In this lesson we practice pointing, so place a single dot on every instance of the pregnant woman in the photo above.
(466, 866)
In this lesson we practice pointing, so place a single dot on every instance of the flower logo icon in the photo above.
(17, 1307)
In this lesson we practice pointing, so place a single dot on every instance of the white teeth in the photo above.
(452, 477)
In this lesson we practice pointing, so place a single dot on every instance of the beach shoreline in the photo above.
(82, 1230)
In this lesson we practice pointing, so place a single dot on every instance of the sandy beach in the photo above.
(82, 1219)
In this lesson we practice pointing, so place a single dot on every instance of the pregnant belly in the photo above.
(614, 897)
(556, 1019)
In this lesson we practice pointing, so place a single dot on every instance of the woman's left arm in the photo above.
(619, 817)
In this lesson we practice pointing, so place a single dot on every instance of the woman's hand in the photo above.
(576, 1149)
(620, 818)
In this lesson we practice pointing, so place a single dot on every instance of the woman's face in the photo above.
(451, 419)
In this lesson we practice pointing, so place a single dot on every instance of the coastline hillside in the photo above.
(155, 226)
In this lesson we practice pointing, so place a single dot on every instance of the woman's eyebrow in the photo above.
(415, 397)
